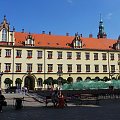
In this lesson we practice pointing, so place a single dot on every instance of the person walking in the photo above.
(2, 98)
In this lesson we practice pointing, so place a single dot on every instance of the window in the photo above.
(78, 55)
(95, 56)
(118, 56)
(29, 67)
(112, 56)
(96, 68)
(69, 67)
(87, 68)
(18, 67)
(29, 53)
(79, 68)
(18, 53)
(69, 55)
(7, 67)
(40, 82)
(39, 68)
(87, 56)
(104, 68)
(4, 35)
(112, 68)
(8, 53)
(104, 56)
(39, 54)
(59, 55)
(77, 44)
(50, 67)
(49, 54)
(59, 67)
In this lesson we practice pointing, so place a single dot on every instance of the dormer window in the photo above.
(4, 35)
(77, 42)
(29, 41)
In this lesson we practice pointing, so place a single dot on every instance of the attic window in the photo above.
(29, 40)
(77, 44)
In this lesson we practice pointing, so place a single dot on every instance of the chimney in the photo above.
(49, 33)
(67, 34)
(90, 35)
(22, 30)
(43, 32)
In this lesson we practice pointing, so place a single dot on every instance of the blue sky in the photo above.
(62, 16)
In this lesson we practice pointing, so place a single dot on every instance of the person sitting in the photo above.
(2, 98)
(55, 98)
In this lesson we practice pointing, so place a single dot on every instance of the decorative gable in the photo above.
(77, 42)
(29, 40)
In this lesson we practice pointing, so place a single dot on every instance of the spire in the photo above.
(101, 33)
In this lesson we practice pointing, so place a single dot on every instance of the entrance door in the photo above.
(29, 82)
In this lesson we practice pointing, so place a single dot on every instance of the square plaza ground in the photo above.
(33, 110)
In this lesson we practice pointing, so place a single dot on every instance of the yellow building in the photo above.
(33, 58)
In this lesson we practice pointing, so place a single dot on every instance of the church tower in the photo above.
(101, 33)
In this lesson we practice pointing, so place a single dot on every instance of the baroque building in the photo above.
(34, 58)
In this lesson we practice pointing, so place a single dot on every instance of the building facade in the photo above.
(34, 58)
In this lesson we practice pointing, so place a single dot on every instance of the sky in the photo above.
(62, 16)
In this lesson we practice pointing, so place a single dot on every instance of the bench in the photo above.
(89, 98)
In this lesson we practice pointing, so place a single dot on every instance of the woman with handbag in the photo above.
(2, 98)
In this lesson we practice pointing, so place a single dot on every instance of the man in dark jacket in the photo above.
(2, 98)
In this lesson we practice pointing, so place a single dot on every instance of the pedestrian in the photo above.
(2, 98)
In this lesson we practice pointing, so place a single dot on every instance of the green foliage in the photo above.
(8, 81)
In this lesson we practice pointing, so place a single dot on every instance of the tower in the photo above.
(101, 33)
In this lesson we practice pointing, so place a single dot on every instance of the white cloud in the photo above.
(70, 1)
(109, 15)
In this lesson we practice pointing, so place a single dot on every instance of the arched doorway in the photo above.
(29, 82)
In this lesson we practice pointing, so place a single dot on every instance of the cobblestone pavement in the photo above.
(33, 110)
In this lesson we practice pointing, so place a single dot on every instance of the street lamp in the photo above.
(59, 73)
(1, 73)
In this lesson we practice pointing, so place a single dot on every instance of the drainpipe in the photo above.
(108, 65)
(13, 67)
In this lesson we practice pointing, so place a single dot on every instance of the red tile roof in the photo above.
(56, 41)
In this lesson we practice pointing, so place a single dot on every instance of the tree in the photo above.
(18, 82)
(8, 81)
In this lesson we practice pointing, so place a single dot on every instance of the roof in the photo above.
(57, 41)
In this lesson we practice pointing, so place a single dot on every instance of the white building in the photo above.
(34, 58)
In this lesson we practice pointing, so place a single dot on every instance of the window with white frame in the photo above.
(50, 67)
(69, 67)
(8, 53)
(104, 68)
(79, 68)
(112, 68)
(29, 67)
(87, 68)
(69, 55)
(87, 55)
(104, 57)
(78, 55)
(39, 67)
(60, 67)
(50, 54)
(4, 34)
(95, 56)
(18, 67)
(18, 53)
(59, 55)
(112, 56)
(96, 68)
(29, 53)
(7, 67)
(39, 54)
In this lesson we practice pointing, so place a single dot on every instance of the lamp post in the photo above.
(1, 73)
(59, 73)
